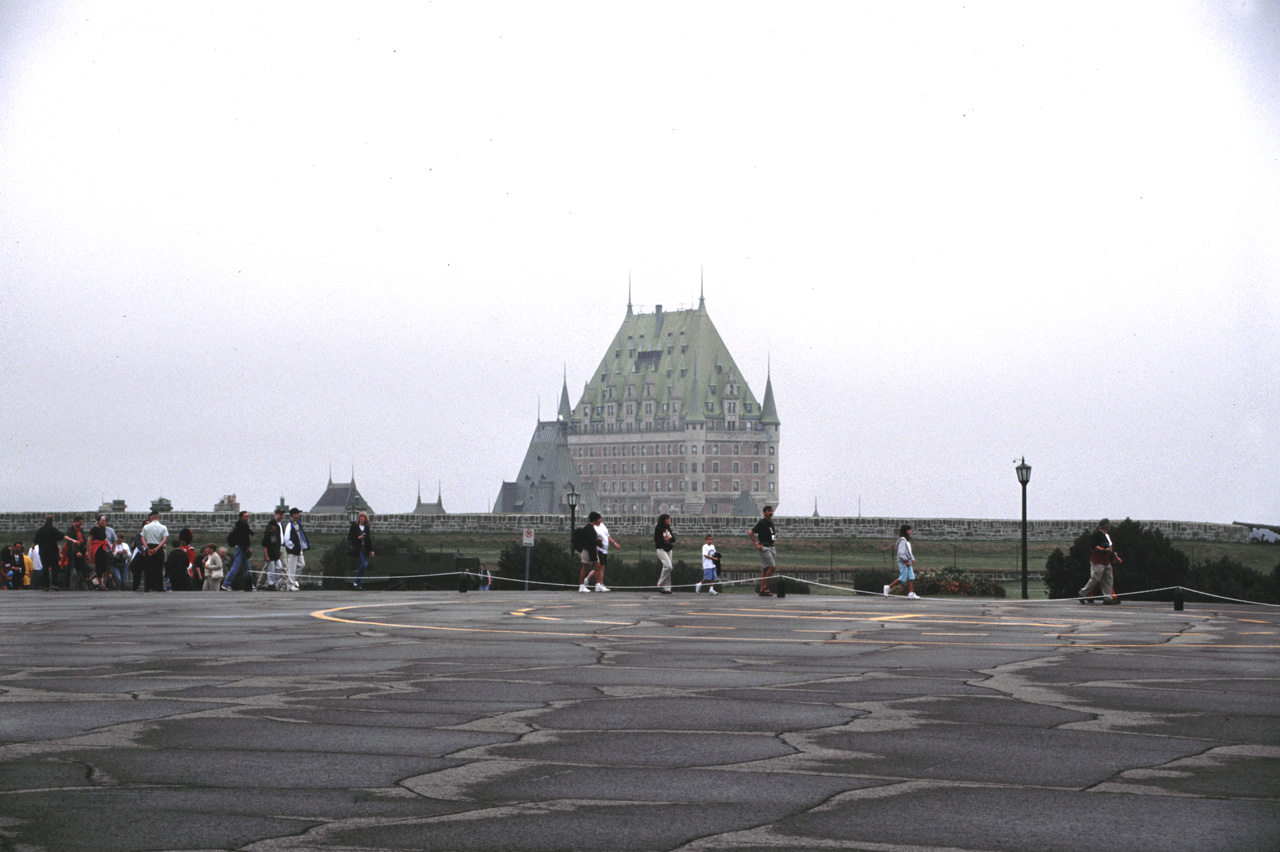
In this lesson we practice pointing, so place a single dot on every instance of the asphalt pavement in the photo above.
(634, 721)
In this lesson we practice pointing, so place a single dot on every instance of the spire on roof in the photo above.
(702, 289)
(628, 294)
(768, 409)
(565, 412)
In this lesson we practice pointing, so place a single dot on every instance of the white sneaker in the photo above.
(697, 587)
(583, 588)
(600, 587)
(714, 592)
(913, 596)
(886, 591)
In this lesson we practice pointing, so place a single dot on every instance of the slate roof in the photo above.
(682, 356)
(545, 476)
(339, 498)
(436, 508)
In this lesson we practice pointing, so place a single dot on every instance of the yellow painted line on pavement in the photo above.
(329, 615)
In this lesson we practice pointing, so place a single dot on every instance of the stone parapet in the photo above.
(21, 525)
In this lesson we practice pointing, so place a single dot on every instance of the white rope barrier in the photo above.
(349, 579)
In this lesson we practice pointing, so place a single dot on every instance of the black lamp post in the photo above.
(1024, 476)
(572, 499)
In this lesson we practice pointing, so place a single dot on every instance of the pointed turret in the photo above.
(768, 410)
(565, 412)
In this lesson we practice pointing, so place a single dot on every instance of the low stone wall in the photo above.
(21, 526)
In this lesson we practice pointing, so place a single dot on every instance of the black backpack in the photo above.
(583, 538)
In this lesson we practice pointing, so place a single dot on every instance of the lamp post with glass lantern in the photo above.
(572, 499)
(1024, 476)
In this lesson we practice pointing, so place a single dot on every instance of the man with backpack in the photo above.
(586, 541)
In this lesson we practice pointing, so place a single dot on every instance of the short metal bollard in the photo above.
(1177, 600)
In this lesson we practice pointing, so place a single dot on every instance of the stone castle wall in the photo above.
(21, 526)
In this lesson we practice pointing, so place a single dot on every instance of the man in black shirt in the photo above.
(241, 538)
(47, 541)
(765, 538)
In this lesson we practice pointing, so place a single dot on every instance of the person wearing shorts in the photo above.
(710, 561)
(906, 561)
(765, 538)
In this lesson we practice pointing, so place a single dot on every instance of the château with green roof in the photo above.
(668, 423)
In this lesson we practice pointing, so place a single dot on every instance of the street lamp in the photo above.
(572, 499)
(1024, 476)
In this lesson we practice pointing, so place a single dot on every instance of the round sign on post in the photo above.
(528, 538)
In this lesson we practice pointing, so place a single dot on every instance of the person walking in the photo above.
(589, 552)
(1102, 559)
(906, 559)
(603, 552)
(710, 565)
(273, 549)
(360, 537)
(295, 547)
(241, 538)
(663, 540)
(765, 537)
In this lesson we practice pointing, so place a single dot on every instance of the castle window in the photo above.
(715, 467)
(755, 485)
(770, 487)
(735, 469)
(771, 468)
(591, 469)
(715, 449)
(746, 406)
(715, 485)
(735, 449)
(770, 449)
(735, 486)
(755, 467)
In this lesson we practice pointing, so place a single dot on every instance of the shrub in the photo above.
(955, 581)
(551, 566)
(1232, 579)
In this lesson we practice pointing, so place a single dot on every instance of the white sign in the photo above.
(528, 538)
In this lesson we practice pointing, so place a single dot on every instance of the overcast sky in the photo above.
(243, 242)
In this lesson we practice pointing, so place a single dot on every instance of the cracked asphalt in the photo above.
(544, 721)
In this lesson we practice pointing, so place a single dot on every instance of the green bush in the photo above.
(1232, 579)
(551, 566)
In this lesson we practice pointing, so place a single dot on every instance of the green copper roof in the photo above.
(675, 360)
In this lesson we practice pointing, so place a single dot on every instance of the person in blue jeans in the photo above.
(361, 538)
(242, 538)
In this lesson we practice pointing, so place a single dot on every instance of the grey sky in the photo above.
(240, 243)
